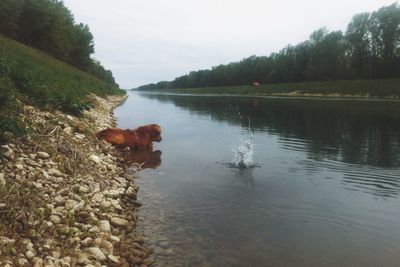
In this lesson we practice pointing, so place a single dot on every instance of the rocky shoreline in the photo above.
(66, 198)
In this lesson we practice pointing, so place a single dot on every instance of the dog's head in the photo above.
(155, 131)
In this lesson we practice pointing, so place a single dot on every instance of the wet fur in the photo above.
(139, 138)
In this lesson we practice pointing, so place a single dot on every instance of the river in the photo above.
(323, 188)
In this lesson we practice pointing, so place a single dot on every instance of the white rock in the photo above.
(114, 259)
(30, 254)
(19, 166)
(43, 155)
(56, 172)
(67, 130)
(23, 262)
(105, 226)
(98, 197)
(87, 241)
(95, 159)
(114, 239)
(59, 200)
(105, 204)
(55, 219)
(37, 262)
(8, 154)
(2, 180)
(113, 193)
(96, 253)
(71, 204)
(105, 246)
(130, 192)
(83, 189)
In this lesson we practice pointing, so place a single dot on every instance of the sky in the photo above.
(147, 41)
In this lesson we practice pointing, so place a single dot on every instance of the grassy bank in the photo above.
(380, 88)
(30, 76)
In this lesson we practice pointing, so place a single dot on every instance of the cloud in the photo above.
(145, 41)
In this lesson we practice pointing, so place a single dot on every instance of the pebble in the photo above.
(118, 221)
(67, 130)
(55, 219)
(105, 226)
(95, 159)
(30, 254)
(98, 197)
(114, 259)
(105, 204)
(19, 166)
(8, 154)
(83, 189)
(96, 253)
(59, 200)
(43, 155)
(2, 180)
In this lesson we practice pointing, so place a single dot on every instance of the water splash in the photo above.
(244, 153)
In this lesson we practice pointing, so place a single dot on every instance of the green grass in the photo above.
(33, 77)
(380, 88)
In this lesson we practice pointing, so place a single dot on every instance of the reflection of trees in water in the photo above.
(357, 132)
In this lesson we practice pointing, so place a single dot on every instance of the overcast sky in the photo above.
(145, 41)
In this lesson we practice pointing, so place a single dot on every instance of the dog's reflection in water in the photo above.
(144, 159)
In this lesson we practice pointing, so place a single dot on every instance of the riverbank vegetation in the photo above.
(378, 88)
(33, 77)
(53, 70)
(368, 49)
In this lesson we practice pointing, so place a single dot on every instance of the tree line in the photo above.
(50, 27)
(369, 48)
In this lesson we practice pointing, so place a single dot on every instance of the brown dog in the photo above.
(139, 138)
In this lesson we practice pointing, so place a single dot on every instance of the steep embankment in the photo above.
(35, 78)
(65, 197)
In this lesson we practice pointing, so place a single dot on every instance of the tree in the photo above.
(10, 11)
(385, 36)
(359, 45)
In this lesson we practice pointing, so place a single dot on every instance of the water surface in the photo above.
(325, 192)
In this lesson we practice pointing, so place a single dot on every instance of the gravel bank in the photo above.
(66, 198)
